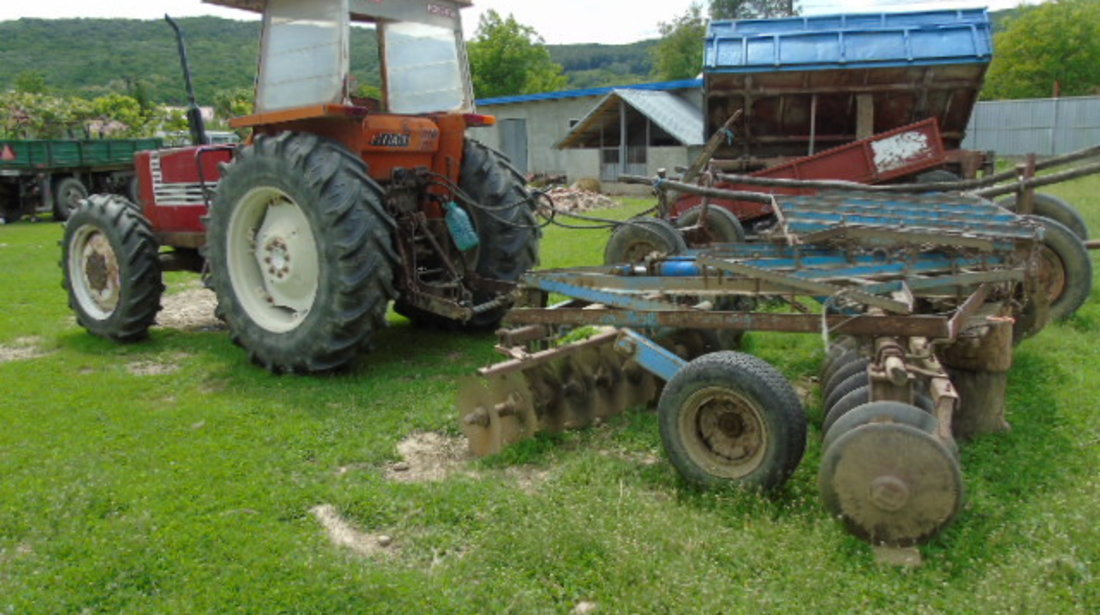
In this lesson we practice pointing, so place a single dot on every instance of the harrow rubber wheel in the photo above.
(731, 418)
(508, 234)
(1054, 208)
(722, 225)
(111, 271)
(889, 479)
(68, 192)
(637, 238)
(300, 252)
(1065, 269)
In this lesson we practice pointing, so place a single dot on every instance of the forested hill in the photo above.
(92, 57)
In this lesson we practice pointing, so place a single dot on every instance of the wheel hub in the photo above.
(1052, 273)
(889, 493)
(729, 430)
(100, 279)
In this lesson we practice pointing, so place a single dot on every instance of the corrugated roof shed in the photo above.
(673, 114)
(685, 84)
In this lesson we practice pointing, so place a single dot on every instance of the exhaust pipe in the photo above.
(194, 113)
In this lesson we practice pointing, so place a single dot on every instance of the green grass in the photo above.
(189, 492)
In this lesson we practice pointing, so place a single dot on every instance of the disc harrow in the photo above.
(901, 287)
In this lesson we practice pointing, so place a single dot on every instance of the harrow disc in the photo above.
(888, 477)
(496, 412)
(844, 372)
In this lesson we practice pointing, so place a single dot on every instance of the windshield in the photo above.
(304, 54)
(425, 69)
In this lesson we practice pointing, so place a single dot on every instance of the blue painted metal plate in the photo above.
(849, 41)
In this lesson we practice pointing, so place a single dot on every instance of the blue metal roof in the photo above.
(848, 41)
(685, 84)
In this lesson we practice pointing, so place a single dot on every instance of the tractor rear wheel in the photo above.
(301, 253)
(111, 271)
(504, 215)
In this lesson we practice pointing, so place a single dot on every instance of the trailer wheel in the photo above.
(722, 226)
(888, 477)
(300, 252)
(731, 418)
(506, 228)
(1065, 270)
(111, 271)
(634, 240)
(1050, 206)
(68, 192)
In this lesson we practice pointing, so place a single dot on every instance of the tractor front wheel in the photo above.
(112, 275)
(300, 252)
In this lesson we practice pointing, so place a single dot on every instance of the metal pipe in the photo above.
(194, 113)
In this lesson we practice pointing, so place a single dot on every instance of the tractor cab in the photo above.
(305, 51)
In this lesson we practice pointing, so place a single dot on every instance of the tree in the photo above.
(508, 58)
(30, 82)
(752, 9)
(679, 54)
(1051, 47)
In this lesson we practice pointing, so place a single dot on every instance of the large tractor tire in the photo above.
(507, 232)
(301, 253)
(68, 192)
(111, 271)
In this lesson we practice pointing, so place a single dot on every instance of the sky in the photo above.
(557, 21)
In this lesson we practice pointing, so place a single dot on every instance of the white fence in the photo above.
(1045, 126)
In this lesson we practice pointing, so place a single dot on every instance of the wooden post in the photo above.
(865, 116)
(978, 364)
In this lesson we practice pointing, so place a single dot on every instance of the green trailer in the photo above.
(39, 176)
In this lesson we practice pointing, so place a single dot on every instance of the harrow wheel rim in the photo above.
(724, 432)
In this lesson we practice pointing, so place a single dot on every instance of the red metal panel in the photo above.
(881, 158)
(171, 185)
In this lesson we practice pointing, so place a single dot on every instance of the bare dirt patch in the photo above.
(343, 534)
(428, 457)
(190, 310)
(22, 349)
(157, 368)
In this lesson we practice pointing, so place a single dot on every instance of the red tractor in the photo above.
(336, 205)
